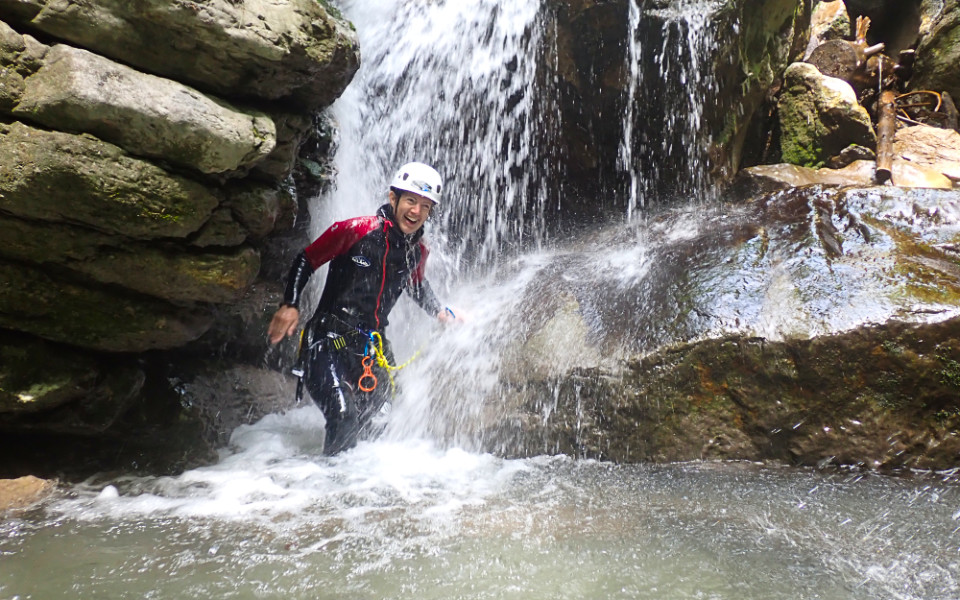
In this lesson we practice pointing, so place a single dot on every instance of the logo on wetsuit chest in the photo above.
(361, 261)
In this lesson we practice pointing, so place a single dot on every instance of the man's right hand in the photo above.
(284, 323)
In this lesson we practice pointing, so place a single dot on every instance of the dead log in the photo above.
(855, 62)
(886, 130)
(836, 58)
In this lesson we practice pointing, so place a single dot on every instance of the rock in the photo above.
(932, 147)
(46, 387)
(770, 36)
(938, 49)
(225, 396)
(849, 155)
(769, 178)
(61, 177)
(37, 376)
(912, 174)
(172, 274)
(77, 91)
(829, 21)
(808, 325)
(23, 491)
(294, 50)
(20, 56)
(221, 230)
(593, 82)
(257, 208)
(292, 129)
(561, 344)
(819, 117)
(95, 317)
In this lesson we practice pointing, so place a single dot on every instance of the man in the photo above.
(372, 261)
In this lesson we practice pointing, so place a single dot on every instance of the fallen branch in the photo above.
(886, 130)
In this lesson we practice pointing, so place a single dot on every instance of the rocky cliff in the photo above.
(148, 163)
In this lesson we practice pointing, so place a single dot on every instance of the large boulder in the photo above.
(296, 50)
(819, 117)
(170, 273)
(78, 91)
(809, 325)
(60, 177)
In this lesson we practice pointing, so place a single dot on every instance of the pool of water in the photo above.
(275, 519)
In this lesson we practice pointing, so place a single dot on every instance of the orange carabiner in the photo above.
(367, 363)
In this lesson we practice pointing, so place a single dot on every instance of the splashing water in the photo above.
(275, 519)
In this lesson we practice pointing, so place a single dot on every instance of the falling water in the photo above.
(450, 84)
(664, 149)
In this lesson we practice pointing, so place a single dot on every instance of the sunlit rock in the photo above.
(819, 117)
(931, 147)
(906, 174)
(296, 50)
(829, 21)
(23, 492)
(76, 90)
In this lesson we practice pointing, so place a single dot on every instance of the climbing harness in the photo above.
(373, 350)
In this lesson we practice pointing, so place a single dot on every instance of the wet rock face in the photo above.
(145, 158)
(748, 44)
(810, 326)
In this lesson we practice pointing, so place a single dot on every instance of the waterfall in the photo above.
(470, 89)
(450, 84)
(665, 146)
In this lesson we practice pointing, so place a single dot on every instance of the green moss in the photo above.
(950, 372)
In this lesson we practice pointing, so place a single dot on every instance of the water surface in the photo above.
(275, 519)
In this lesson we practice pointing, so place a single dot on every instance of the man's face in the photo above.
(411, 211)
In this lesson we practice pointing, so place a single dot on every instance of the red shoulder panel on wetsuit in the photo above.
(338, 238)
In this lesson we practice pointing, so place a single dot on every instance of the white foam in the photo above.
(274, 471)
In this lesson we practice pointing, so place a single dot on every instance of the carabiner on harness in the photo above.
(367, 363)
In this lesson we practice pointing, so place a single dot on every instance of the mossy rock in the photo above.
(61, 177)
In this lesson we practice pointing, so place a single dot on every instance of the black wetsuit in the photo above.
(371, 263)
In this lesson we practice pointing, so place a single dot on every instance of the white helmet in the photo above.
(420, 179)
